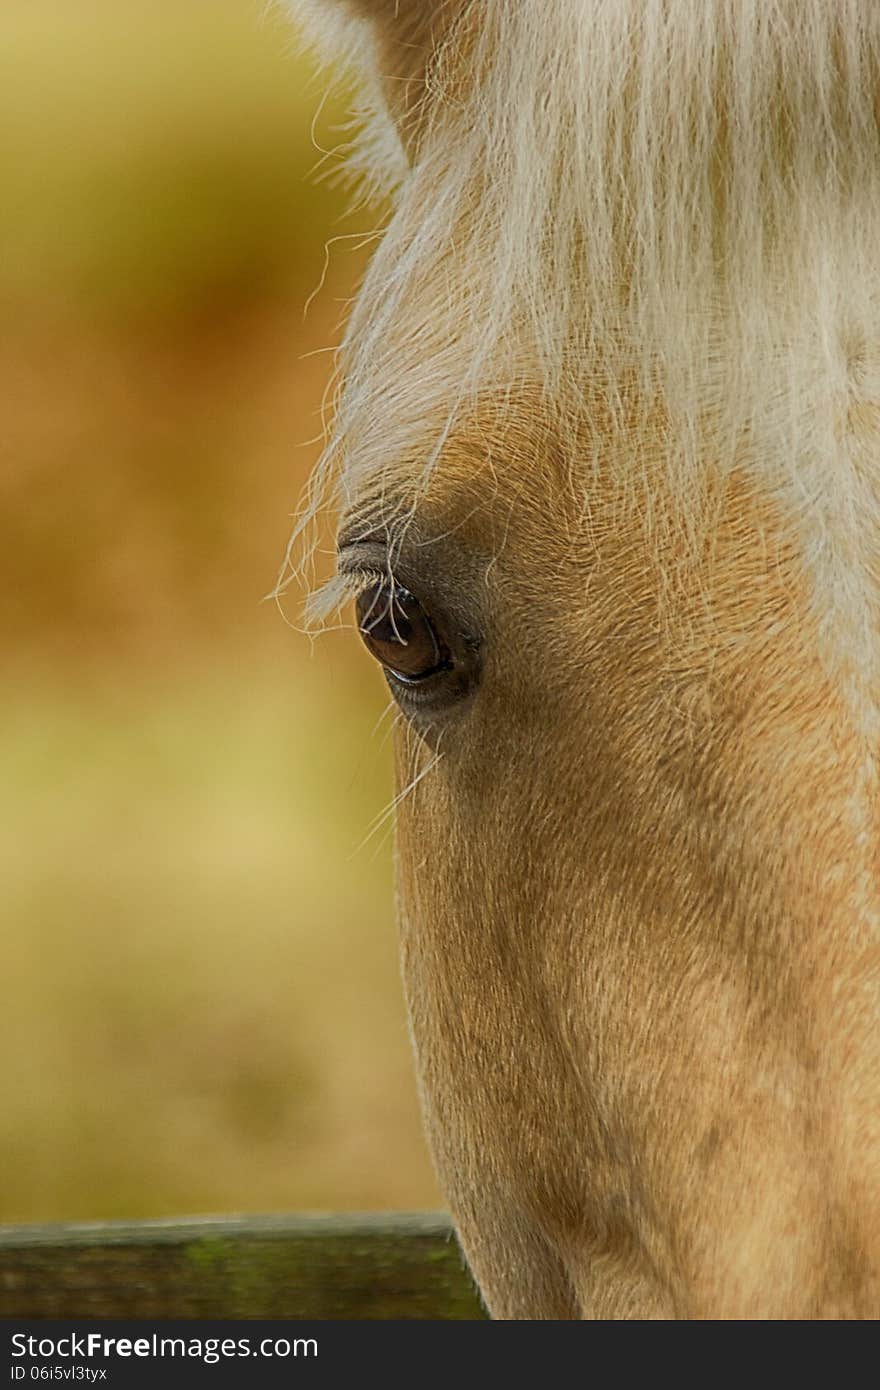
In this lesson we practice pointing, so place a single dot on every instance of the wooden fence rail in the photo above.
(373, 1266)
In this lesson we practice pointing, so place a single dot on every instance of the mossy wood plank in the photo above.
(374, 1266)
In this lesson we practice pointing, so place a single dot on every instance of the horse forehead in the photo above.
(419, 443)
(594, 470)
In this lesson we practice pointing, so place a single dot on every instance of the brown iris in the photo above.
(399, 633)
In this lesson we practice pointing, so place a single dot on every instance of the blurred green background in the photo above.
(200, 1006)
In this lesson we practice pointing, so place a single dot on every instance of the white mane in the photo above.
(685, 192)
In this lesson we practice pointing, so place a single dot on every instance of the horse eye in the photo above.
(399, 633)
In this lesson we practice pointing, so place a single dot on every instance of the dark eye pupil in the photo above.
(399, 633)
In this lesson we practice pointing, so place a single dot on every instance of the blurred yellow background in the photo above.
(200, 1006)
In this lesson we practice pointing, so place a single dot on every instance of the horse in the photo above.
(606, 458)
